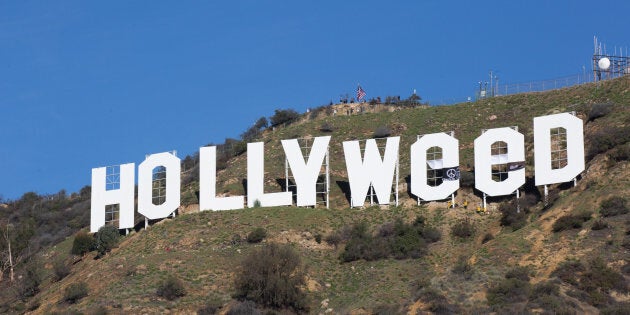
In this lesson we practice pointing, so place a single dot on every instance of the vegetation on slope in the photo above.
(522, 266)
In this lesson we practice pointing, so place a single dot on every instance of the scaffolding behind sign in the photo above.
(381, 144)
(322, 186)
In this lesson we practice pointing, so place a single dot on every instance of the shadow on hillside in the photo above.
(409, 194)
(529, 188)
(344, 186)
(282, 182)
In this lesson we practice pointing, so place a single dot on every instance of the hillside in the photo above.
(454, 275)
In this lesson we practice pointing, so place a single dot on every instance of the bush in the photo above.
(209, 309)
(520, 273)
(171, 288)
(508, 291)
(394, 239)
(382, 132)
(599, 110)
(438, 304)
(594, 281)
(620, 153)
(599, 224)
(487, 238)
(568, 222)
(420, 221)
(283, 116)
(613, 206)
(75, 291)
(510, 217)
(568, 271)
(272, 275)
(60, 269)
(407, 243)
(603, 277)
(244, 308)
(31, 278)
(257, 235)
(463, 228)
(619, 308)
(106, 239)
(606, 139)
(544, 288)
(326, 127)
(333, 239)
(364, 246)
(83, 243)
(318, 238)
(431, 234)
(463, 267)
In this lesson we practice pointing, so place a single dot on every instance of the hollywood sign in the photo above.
(369, 170)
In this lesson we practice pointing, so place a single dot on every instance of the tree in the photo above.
(272, 276)
(83, 243)
(15, 246)
(106, 239)
(171, 288)
(86, 192)
(282, 116)
(261, 123)
(7, 257)
(414, 99)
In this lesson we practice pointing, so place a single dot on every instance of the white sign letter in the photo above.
(255, 180)
(545, 175)
(123, 196)
(450, 158)
(145, 185)
(372, 170)
(484, 160)
(208, 183)
(306, 173)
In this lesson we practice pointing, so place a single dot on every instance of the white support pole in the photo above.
(574, 181)
(327, 180)
(371, 195)
(286, 174)
(146, 223)
(397, 179)
(453, 194)
(484, 202)
(518, 204)
(546, 195)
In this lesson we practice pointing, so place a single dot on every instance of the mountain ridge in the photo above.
(199, 247)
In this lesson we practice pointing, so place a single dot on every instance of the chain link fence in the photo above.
(517, 88)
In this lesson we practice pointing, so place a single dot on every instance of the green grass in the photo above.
(197, 247)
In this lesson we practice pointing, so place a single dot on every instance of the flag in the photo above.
(360, 93)
(450, 173)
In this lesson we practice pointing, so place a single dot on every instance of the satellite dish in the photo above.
(604, 63)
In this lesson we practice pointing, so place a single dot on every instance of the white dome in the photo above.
(604, 63)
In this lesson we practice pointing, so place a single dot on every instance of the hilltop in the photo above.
(457, 274)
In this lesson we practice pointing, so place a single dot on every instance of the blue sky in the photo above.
(90, 84)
